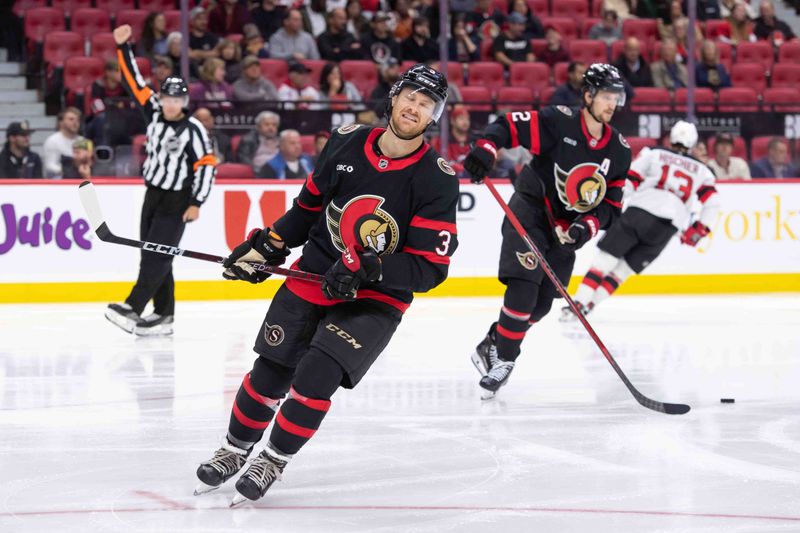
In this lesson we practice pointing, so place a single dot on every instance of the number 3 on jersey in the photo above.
(446, 236)
(680, 184)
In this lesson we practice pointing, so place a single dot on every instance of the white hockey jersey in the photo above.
(667, 184)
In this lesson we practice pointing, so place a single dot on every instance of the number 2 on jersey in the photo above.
(684, 190)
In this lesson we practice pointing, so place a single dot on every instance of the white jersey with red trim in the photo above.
(667, 183)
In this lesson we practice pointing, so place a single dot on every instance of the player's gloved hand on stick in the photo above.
(261, 246)
(480, 160)
(347, 274)
(578, 233)
(694, 233)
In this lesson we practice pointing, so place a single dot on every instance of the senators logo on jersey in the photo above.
(362, 222)
(582, 188)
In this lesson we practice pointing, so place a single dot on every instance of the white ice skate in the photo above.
(568, 315)
(154, 325)
(122, 316)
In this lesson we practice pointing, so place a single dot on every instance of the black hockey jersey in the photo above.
(403, 209)
(574, 173)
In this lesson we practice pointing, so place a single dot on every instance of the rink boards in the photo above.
(48, 254)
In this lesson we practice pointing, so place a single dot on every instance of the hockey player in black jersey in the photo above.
(571, 189)
(378, 219)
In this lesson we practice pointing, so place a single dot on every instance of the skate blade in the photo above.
(202, 488)
(478, 362)
(153, 332)
(238, 500)
(125, 324)
(487, 394)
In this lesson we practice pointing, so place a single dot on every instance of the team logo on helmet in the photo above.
(528, 260)
(274, 335)
(362, 222)
(582, 188)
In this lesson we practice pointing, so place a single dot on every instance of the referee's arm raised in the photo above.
(131, 77)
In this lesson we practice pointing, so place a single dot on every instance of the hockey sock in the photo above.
(612, 281)
(257, 401)
(316, 379)
(514, 318)
(588, 286)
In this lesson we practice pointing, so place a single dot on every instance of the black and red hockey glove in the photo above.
(343, 279)
(579, 232)
(480, 160)
(694, 233)
(261, 246)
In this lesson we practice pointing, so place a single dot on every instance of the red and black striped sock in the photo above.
(514, 320)
(251, 414)
(298, 419)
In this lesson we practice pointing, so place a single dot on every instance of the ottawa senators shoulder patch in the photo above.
(349, 128)
(445, 167)
(623, 142)
(564, 109)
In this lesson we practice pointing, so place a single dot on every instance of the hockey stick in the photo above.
(668, 408)
(92, 207)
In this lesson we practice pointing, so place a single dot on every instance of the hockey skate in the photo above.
(485, 354)
(227, 461)
(122, 316)
(264, 470)
(496, 377)
(154, 325)
(568, 315)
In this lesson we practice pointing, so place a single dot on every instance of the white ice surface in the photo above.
(102, 432)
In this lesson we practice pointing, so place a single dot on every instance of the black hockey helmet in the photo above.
(174, 86)
(428, 81)
(604, 77)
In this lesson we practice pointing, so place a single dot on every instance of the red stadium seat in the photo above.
(485, 74)
(570, 8)
(476, 98)
(560, 72)
(535, 76)
(566, 26)
(455, 73)
(781, 100)
(538, 46)
(790, 52)
(70, 6)
(23, 6)
(545, 95)
(586, 26)
(315, 66)
(786, 75)
(134, 17)
(89, 21)
(651, 100)
(500, 5)
(588, 51)
(758, 146)
(235, 140)
(646, 30)
(80, 72)
(739, 147)
(173, 18)
(725, 54)
(156, 5)
(308, 145)
(540, 8)
(59, 45)
(757, 52)
(103, 46)
(597, 8)
(275, 70)
(515, 99)
(715, 28)
(362, 74)
(42, 20)
(114, 6)
(637, 143)
(703, 100)
(232, 171)
(737, 100)
(749, 75)
(144, 67)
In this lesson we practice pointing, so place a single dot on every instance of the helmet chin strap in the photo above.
(589, 109)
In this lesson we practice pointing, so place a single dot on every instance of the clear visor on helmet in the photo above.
(425, 101)
(611, 96)
(169, 99)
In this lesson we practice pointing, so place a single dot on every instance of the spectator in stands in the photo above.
(111, 111)
(770, 28)
(379, 44)
(740, 28)
(486, 18)
(727, 6)
(608, 29)
(357, 23)
(337, 44)
(459, 142)
(453, 92)
(228, 17)
(297, 91)
(533, 26)
(511, 46)
(320, 140)
(291, 42)
(666, 23)
(554, 51)
(253, 42)
(231, 54)
(420, 48)
(220, 142)
(403, 19)
(291, 162)
(315, 17)
(725, 165)
(709, 72)
(569, 94)
(212, 87)
(700, 152)
(708, 10)
(174, 43)
(463, 46)
(260, 144)
(388, 74)
(17, 160)
(624, 8)
(268, 17)
(680, 32)
(79, 164)
(154, 36)
(668, 72)
(338, 95)
(252, 86)
(776, 164)
(632, 65)
(163, 68)
(60, 143)
(202, 43)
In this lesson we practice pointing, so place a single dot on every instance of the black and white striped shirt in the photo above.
(179, 153)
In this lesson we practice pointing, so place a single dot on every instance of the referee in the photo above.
(179, 171)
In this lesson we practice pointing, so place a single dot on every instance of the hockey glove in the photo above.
(261, 246)
(347, 274)
(578, 233)
(694, 233)
(480, 160)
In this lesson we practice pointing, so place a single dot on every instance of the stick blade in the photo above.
(91, 205)
(676, 408)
